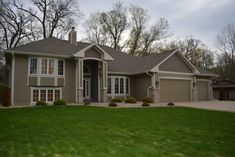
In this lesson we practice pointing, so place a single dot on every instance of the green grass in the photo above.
(116, 132)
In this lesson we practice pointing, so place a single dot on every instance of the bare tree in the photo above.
(226, 44)
(52, 15)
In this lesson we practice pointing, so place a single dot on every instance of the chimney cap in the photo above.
(73, 28)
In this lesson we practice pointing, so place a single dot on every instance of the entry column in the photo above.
(104, 82)
(79, 80)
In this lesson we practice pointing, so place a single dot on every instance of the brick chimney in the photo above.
(73, 36)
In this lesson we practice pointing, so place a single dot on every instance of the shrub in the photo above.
(59, 102)
(130, 100)
(41, 103)
(6, 98)
(145, 104)
(148, 100)
(170, 104)
(117, 100)
(87, 103)
(112, 104)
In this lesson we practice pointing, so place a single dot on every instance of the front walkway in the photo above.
(210, 105)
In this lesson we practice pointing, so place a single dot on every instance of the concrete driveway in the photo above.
(210, 105)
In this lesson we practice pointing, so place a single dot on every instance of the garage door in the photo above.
(202, 90)
(172, 90)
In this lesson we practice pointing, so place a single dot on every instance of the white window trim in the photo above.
(39, 66)
(44, 88)
(113, 94)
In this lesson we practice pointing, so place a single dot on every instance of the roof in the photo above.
(122, 63)
(223, 84)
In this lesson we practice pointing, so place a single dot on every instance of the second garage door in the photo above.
(172, 90)
(202, 90)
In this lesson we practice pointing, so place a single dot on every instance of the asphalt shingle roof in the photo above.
(122, 63)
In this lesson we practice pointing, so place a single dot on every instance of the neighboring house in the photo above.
(224, 90)
(53, 69)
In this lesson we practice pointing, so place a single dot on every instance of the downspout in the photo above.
(147, 72)
(12, 77)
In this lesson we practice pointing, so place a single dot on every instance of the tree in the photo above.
(194, 50)
(226, 45)
(108, 28)
(53, 16)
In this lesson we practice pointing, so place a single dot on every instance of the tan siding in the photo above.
(175, 64)
(69, 91)
(33, 81)
(47, 81)
(93, 53)
(60, 82)
(172, 90)
(139, 85)
(202, 90)
(21, 90)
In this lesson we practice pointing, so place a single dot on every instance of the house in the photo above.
(224, 90)
(52, 69)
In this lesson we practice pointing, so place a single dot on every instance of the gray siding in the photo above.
(22, 92)
(93, 53)
(60, 82)
(47, 81)
(33, 81)
(69, 91)
(175, 64)
(139, 86)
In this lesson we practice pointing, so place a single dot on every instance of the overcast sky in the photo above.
(202, 19)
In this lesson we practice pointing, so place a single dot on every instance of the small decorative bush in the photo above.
(6, 98)
(87, 103)
(41, 103)
(112, 104)
(170, 104)
(130, 100)
(145, 104)
(148, 100)
(117, 100)
(59, 102)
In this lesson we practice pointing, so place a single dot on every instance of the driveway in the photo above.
(210, 105)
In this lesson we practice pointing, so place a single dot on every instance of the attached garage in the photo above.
(173, 90)
(203, 90)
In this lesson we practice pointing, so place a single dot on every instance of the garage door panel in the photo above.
(172, 90)
(202, 90)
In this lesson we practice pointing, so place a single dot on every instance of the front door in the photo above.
(87, 88)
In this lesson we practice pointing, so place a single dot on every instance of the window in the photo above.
(127, 86)
(44, 66)
(121, 85)
(51, 66)
(50, 95)
(35, 95)
(116, 85)
(43, 95)
(60, 67)
(57, 94)
(109, 86)
(33, 66)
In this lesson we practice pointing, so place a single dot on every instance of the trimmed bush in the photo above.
(148, 100)
(117, 100)
(6, 98)
(130, 100)
(112, 104)
(87, 103)
(59, 102)
(41, 103)
(170, 104)
(145, 104)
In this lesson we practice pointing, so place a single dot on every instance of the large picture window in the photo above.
(51, 66)
(46, 95)
(44, 66)
(33, 66)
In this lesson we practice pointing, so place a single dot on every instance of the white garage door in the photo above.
(172, 90)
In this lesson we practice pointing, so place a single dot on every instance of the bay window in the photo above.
(51, 66)
(33, 66)
(60, 67)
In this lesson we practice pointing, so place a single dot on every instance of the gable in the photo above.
(93, 53)
(175, 64)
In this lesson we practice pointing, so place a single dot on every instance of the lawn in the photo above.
(116, 132)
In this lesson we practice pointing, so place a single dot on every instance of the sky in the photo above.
(203, 19)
